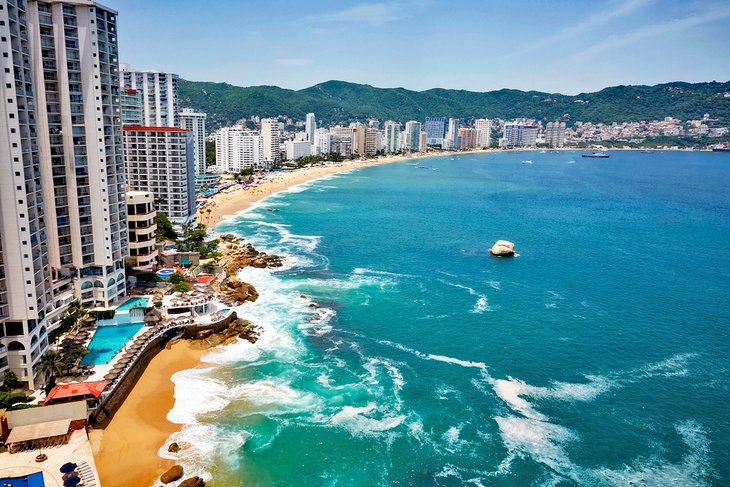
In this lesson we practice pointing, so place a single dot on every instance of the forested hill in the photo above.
(335, 101)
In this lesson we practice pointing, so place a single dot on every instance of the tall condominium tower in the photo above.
(159, 95)
(322, 140)
(237, 149)
(310, 126)
(61, 156)
(435, 128)
(160, 160)
(483, 127)
(195, 122)
(555, 133)
(131, 106)
(518, 134)
(412, 135)
(451, 140)
(392, 137)
(271, 140)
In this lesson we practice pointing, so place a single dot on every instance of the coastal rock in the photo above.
(503, 248)
(238, 329)
(172, 475)
(238, 291)
(238, 256)
(173, 448)
(192, 482)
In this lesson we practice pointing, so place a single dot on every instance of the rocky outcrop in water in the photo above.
(173, 448)
(238, 291)
(172, 475)
(503, 248)
(192, 482)
(236, 256)
(238, 329)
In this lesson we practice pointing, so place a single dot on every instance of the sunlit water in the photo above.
(598, 356)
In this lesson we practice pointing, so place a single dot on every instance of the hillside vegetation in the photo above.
(339, 101)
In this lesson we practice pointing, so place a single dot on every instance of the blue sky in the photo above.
(480, 45)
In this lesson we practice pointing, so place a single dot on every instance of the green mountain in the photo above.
(339, 101)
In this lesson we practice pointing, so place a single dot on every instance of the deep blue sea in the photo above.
(396, 351)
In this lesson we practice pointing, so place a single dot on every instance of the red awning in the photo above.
(77, 389)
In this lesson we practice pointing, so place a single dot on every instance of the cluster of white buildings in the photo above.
(582, 132)
(87, 152)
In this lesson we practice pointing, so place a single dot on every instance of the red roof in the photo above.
(77, 389)
(205, 279)
(138, 128)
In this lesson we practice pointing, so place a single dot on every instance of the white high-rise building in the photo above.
(451, 140)
(237, 149)
(195, 122)
(412, 135)
(518, 134)
(160, 160)
(271, 139)
(297, 148)
(555, 134)
(483, 127)
(159, 95)
(322, 140)
(392, 137)
(310, 127)
(63, 232)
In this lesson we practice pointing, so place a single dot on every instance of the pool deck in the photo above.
(77, 450)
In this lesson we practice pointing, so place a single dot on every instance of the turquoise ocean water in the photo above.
(396, 351)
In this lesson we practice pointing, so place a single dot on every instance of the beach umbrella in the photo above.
(88, 367)
(72, 481)
(110, 376)
(68, 467)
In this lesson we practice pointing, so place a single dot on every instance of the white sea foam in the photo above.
(360, 421)
(482, 303)
(496, 285)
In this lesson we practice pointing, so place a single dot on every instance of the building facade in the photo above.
(392, 137)
(483, 127)
(310, 126)
(237, 149)
(195, 123)
(555, 134)
(467, 138)
(412, 135)
(322, 141)
(159, 95)
(435, 128)
(518, 134)
(63, 232)
(142, 227)
(131, 106)
(296, 149)
(271, 139)
(451, 139)
(160, 160)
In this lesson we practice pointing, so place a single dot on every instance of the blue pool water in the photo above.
(134, 303)
(32, 480)
(107, 341)
(598, 357)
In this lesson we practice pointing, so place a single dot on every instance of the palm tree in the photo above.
(51, 366)
(77, 354)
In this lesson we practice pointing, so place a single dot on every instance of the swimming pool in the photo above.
(32, 480)
(134, 303)
(107, 341)
(165, 273)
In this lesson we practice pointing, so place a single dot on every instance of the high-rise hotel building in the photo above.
(63, 232)
(159, 95)
(195, 123)
(159, 155)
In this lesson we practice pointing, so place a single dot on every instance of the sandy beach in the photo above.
(126, 451)
(231, 203)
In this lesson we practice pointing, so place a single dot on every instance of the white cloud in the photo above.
(654, 30)
(596, 20)
(367, 13)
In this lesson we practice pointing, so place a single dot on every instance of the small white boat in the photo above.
(527, 161)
